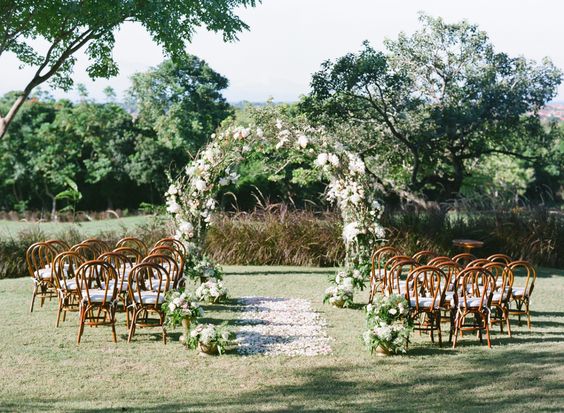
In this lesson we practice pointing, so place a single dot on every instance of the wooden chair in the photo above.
(65, 266)
(122, 266)
(173, 243)
(423, 257)
(426, 285)
(463, 258)
(87, 251)
(147, 283)
(521, 296)
(378, 273)
(506, 259)
(503, 278)
(478, 262)
(58, 245)
(132, 254)
(98, 245)
(97, 283)
(439, 259)
(400, 267)
(177, 280)
(474, 289)
(170, 265)
(134, 243)
(39, 259)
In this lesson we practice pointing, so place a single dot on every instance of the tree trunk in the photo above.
(5, 121)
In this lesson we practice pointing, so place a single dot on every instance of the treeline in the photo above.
(95, 156)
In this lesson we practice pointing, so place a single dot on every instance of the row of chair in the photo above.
(455, 289)
(97, 280)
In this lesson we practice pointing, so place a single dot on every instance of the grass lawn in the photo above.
(11, 228)
(42, 368)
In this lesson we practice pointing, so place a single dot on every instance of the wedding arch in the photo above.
(191, 198)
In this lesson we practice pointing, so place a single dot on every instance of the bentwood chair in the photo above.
(503, 277)
(169, 264)
(58, 245)
(122, 266)
(134, 243)
(39, 259)
(424, 294)
(400, 267)
(463, 258)
(97, 245)
(173, 243)
(506, 259)
(135, 256)
(97, 283)
(378, 273)
(87, 251)
(436, 260)
(177, 279)
(147, 283)
(423, 257)
(478, 262)
(521, 295)
(65, 266)
(474, 287)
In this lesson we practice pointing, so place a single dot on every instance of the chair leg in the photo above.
(132, 326)
(82, 315)
(34, 294)
(456, 328)
(506, 315)
(487, 326)
(59, 309)
(113, 321)
(528, 313)
(438, 319)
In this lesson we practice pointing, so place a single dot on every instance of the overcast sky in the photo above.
(288, 40)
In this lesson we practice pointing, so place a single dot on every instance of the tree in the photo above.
(433, 102)
(71, 25)
(178, 106)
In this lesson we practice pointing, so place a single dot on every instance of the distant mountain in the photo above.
(554, 110)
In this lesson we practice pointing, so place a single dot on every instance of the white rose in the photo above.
(173, 207)
(200, 185)
(260, 133)
(392, 311)
(172, 189)
(322, 159)
(278, 123)
(224, 181)
(334, 160)
(171, 307)
(303, 141)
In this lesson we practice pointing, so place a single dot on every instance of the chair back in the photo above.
(170, 265)
(400, 267)
(506, 259)
(463, 258)
(425, 287)
(503, 278)
(423, 257)
(451, 269)
(97, 282)
(135, 256)
(437, 260)
(98, 245)
(134, 243)
(148, 277)
(478, 262)
(172, 243)
(39, 258)
(474, 287)
(65, 266)
(58, 245)
(524, 268)
(122, 266)
(86, 251)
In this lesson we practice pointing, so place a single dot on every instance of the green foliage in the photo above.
(434, 102)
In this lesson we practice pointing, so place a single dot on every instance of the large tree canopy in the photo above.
(434, 101)
(67, 26)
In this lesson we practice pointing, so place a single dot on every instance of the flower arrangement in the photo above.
(179, 305)
(340, 295)
(211, 339)
(212, 291)
(351, 277)
(204, 269)
(388, 325)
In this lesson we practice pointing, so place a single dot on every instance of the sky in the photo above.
(289, 39)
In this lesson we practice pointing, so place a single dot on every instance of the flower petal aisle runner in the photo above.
(281, 326)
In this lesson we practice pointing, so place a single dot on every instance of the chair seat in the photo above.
(124, 286)
(44, 273)
(155, 284)
(497, 296)
(519, 292)
(424, 302)
(97, 296)
(148, 297)
(379, 273)
(473, 302)
(70, 284)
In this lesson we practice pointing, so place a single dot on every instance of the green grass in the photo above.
(12, 228)
(43, 369)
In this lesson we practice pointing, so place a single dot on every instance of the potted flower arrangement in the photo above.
(388, 325)
(212, 291)
(204, 268)
(349, 276)
(180, 309)
(211, 339)
(341, 294)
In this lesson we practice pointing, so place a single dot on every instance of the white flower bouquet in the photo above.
(388, 325)
(211, 339)
(180, 305)
(212, 291)
(354, 277)
(204, 268)
(340, 295)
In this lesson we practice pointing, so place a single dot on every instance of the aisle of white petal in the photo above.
(281, 326)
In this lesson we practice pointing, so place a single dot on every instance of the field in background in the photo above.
(42, 368)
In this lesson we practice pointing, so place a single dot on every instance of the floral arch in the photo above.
(191, 198)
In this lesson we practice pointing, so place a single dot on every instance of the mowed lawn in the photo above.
(12, 228)
(42, 368)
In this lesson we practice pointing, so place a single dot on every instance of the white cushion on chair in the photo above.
(424, 302)
(472, 302)
(44, 273)
(71, 284)
(496, 296)
(519, 292)
(155, 284)
(148, 297)
(123, 287)
(97, 296)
